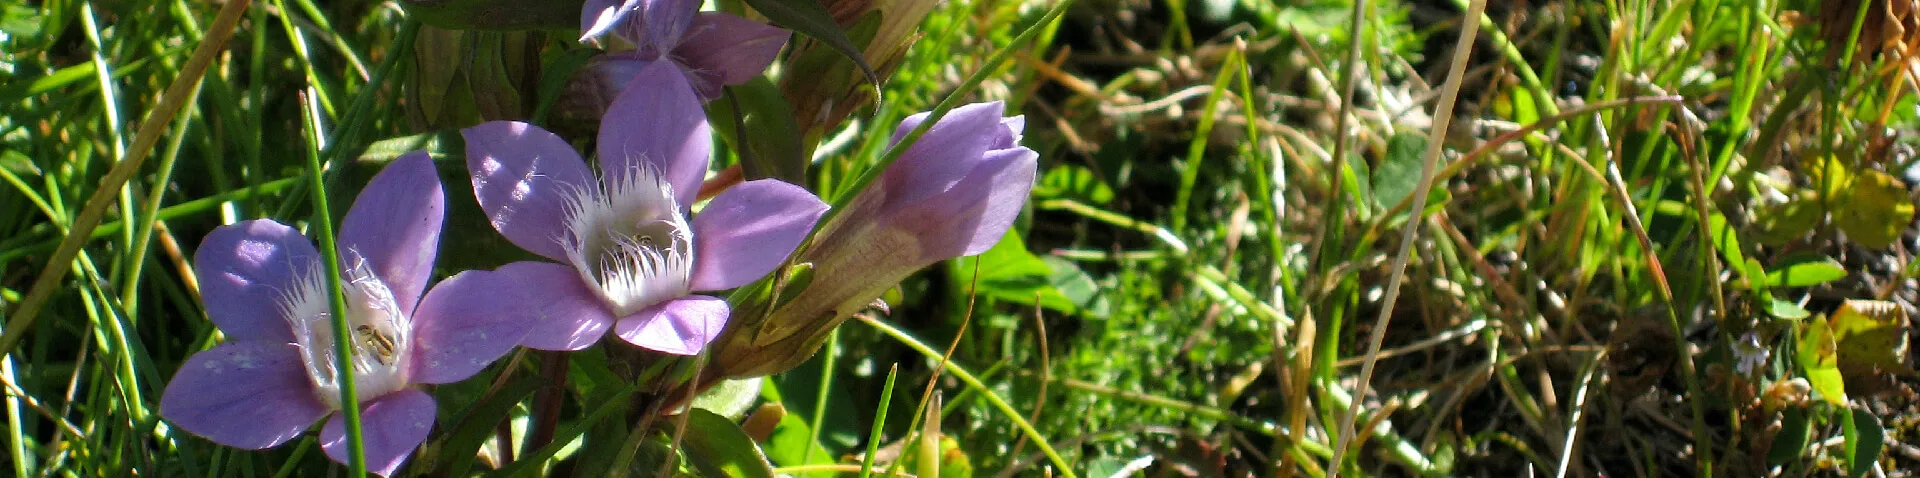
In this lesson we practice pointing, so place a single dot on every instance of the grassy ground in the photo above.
(1631, 198)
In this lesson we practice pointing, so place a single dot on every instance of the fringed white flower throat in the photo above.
(382, 334)
(630, 241)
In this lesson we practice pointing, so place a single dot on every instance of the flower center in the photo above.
(380, 333)
(630, 241)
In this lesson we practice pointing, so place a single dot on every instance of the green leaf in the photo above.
(445, 147)
(1010, 273)
(1820, 360)
(789, 443)
(1077, 286)
(1786, 310)
(758, 113)
(731, 398)
(18, 163)
(1865, 437)
(1072, 181)
(1525, 111)
(717, 447)
(19, 21)
(1399, 173)
(1359, 189)
(608, 404)
(812, 19)
(1751, 274)
(476, 424)
(1805, 270)
(1791, 440)
(1726, 241)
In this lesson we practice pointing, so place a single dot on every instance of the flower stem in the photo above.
(546, 405)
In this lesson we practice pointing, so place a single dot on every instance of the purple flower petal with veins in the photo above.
(265, 287)
(632, 256)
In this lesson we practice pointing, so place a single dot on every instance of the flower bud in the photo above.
(954, 193)
(465, 77)
(825, 86)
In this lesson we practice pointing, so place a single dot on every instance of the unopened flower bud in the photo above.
(954, 193)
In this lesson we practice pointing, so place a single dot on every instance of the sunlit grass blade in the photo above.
(144, 140)
(322, 232)
(879, 422)
(1442, 116)
(961, 373)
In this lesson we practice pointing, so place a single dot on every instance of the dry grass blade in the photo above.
(1442, 116)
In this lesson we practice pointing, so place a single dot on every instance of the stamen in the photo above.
(630, 241)
(381, 332)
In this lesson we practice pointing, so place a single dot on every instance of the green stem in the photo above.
(336, 303)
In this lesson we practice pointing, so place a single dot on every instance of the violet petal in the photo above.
(615, 70)
(466, 322)
(680, 326)
(945, 154)
(1015, 126)
(723, 49)
(667, 21)
(391, 427)
(246, 270)
(248, 395)
(746, 232)
(524, 178)
(657, 122)
(978, 210)
(395, 226)
(599, 16)
(568, 315)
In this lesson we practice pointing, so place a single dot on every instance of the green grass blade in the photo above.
(322, 232)
(975, 384)
(879, 422)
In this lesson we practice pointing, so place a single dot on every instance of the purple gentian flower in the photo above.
(629, 257)
(954, 193)
(711, 48)
(264, 286)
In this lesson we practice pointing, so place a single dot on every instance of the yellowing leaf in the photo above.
(1777, 224)
(1873, 209)
(1871, 338)
(1830, 175)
